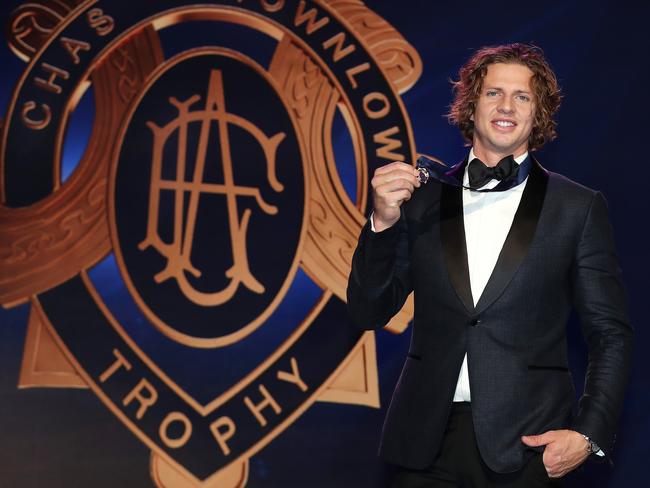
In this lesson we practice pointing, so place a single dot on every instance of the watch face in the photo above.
(593, 447)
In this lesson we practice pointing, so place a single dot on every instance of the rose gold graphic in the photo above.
(396, 57)
(31, 24)
(215, 109)
(43, 362)
(68, 232)
(166, 476)
(335, 221)
(48, 242)
(178, 253)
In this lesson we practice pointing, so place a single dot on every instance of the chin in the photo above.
(503, 149)
(507, 147)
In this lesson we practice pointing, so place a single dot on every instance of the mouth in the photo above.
(504, 124)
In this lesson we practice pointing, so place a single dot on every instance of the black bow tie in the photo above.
(479, 174)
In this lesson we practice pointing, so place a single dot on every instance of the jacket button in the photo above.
(475, 322)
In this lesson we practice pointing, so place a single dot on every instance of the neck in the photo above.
(492, 158)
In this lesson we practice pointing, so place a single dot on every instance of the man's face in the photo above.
(505, 109)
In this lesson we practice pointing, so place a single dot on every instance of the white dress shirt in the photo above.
(488, 217)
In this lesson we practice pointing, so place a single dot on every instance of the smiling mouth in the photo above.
(504, 123)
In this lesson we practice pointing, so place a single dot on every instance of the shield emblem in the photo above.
(200, 288)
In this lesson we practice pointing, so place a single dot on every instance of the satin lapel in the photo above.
(458, 171)
(519, 237)
(452, 235)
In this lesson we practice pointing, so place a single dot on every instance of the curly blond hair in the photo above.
(546, 90)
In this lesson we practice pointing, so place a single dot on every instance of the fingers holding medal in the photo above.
(392, 185)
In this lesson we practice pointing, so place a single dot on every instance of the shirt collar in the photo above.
(518, 159)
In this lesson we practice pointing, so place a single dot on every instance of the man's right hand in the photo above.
(392, 185)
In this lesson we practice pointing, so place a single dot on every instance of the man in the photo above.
(497, 252)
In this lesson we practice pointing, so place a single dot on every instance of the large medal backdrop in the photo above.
(181, 190)
(189, 266)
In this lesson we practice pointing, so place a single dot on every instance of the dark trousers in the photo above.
(459, 463)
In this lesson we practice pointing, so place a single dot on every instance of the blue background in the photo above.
(599, 51)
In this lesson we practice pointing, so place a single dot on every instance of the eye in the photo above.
(523, 98)
(491, 93)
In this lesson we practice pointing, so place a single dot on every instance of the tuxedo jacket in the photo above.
(559, 254)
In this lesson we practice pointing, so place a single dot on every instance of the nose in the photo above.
(505, 105)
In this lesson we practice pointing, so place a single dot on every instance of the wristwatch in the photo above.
(592, 447)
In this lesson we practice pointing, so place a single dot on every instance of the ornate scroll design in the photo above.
(397, 58)
(335, 221)
(46, 243)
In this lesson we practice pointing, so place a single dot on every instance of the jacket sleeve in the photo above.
(379, 282)
(600, 300)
